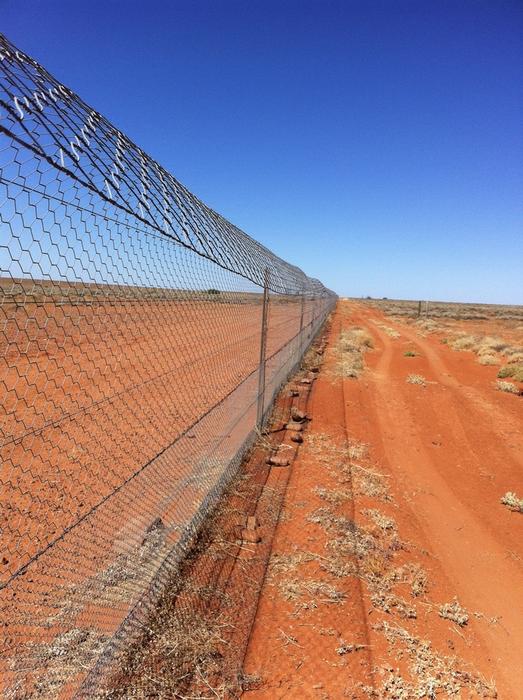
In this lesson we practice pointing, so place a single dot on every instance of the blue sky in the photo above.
(377, 145)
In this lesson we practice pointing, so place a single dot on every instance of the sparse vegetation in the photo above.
(433, 675)
(353, 343)
(507, 387)
(488, 360)
(453, 611)
(410, 353)
(515, 371)
(513, 502)
(416, 379)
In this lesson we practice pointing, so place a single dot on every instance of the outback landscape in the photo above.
(396, 567)
(387, 552)
(229, 467)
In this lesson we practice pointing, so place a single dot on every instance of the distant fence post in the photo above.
(263, 345)
(302, 310)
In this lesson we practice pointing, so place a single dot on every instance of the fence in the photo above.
(133, 371)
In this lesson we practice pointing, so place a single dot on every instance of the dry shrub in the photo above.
(416, 379)
(284, 563)
(392, 332)
(463, 342)
(488, 349)
(315, 591)
(488, 360)
(507, 387)
(349, 351)
(513, 370)
(335, 496)
(453, 611)
(367, 482)
(427, 326)
(513, 502)
(433, 675)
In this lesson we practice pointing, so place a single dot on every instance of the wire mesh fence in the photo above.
(133, 372)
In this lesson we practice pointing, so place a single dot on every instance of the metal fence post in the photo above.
(302, 310)
(263, 345)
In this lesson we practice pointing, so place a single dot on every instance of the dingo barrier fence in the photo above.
(143, 337)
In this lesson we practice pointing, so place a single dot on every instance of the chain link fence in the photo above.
(143, 338)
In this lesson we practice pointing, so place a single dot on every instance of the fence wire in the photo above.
(133, 372)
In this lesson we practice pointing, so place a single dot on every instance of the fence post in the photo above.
(301, 319)
(263, 345)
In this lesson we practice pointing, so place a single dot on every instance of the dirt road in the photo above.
(447, 450)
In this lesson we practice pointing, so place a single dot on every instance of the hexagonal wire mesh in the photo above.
(130, 334)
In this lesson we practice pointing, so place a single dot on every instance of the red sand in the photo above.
(97, 446)
(449, 450)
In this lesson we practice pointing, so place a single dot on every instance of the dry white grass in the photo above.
(453, 611)
(416, 379)
(513, 502)
(488, 360)
(433, 675)
(507, 387)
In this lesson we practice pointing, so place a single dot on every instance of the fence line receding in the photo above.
(133, 371)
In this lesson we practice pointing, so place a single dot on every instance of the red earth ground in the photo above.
(117, 419)
(414, 473)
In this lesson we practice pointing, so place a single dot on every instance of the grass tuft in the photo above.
(453, 611)
(507, 387)
(513, 502)
(416, 379)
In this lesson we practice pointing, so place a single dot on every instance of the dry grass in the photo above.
(453, 611)
(432, 674)
(508, 387)
(367, 482)
(335, 496)
(384, 522)
(349, 351)
(285, 563)
(392, 332)
(488, 360)
(513, 502)
(315, 592)
(68, 654)
(368, 550)
(491, 350)
(448, 310)
(513, 370)
(416, 379)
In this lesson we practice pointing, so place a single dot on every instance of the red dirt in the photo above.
(104, 404)
(448, 450)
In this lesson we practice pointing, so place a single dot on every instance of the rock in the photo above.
(292, 425)
(276, 461)
(297, 415)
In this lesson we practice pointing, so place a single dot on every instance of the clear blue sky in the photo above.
(377, 145)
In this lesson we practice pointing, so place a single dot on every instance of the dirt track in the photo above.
(448, 450)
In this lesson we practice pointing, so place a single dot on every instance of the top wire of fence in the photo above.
(143, 338)
(45, 117)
